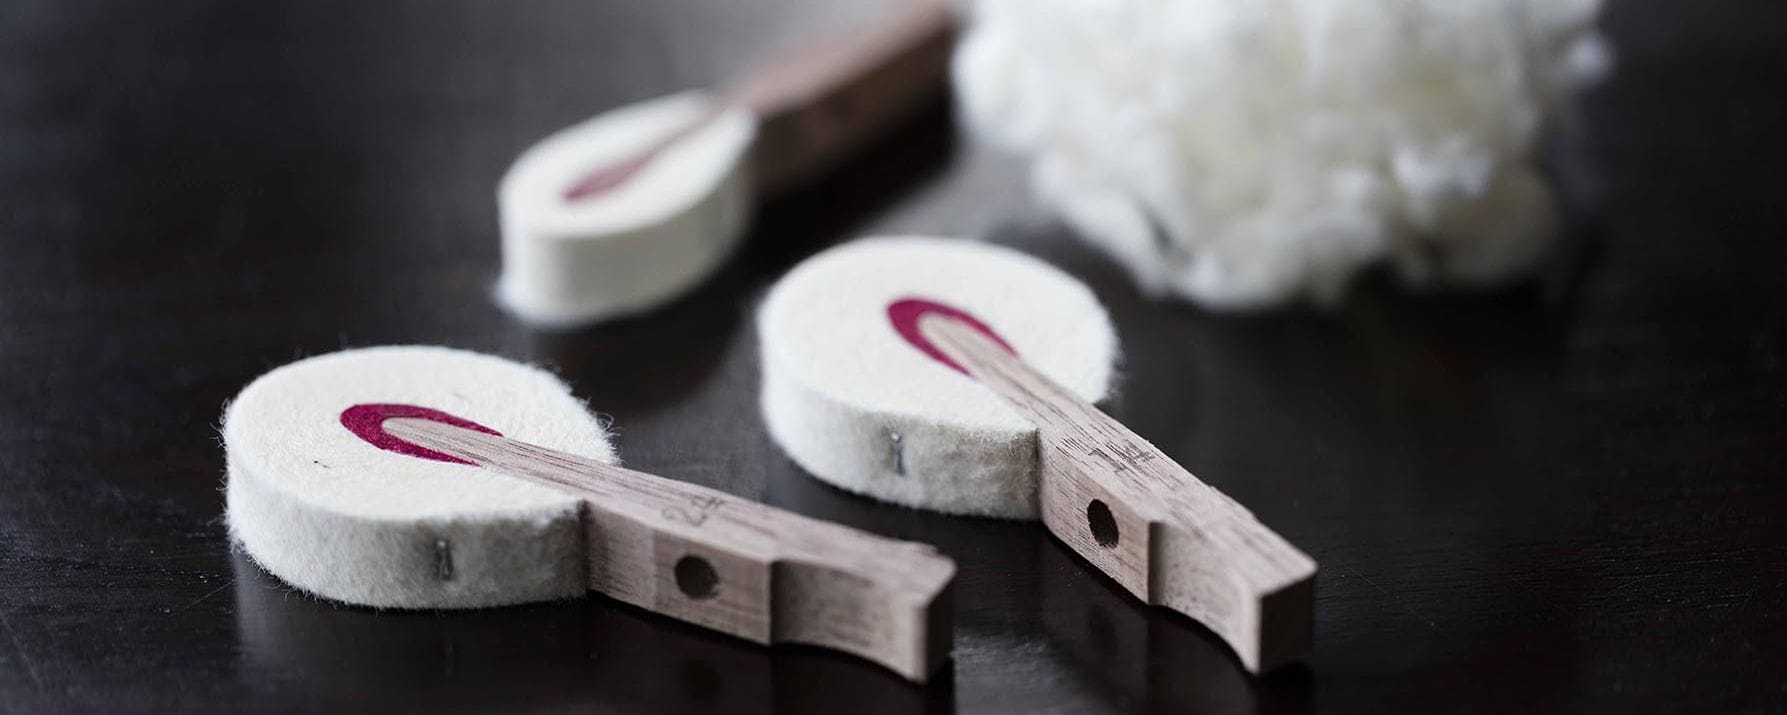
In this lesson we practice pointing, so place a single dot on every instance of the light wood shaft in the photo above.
(820, 101)
(734, 565)
(1144, 520)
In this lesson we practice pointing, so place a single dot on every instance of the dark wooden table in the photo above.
(1562, 496)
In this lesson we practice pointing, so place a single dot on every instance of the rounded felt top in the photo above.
(285, 431)
(688, 169)
(827, 323)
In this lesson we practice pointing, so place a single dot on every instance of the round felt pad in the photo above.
(860, 407)
(318, 504)
(571, 257)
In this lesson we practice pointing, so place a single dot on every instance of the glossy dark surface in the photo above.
(1563, 496)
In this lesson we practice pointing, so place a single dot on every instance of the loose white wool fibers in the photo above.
(1244, 154)
(321, 507)
(571, 257)
(855, 405)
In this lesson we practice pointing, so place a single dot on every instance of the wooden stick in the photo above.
(1141, 518)
(821, 101)
(736, 566)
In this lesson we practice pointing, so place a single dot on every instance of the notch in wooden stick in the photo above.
(1133, 512)
(709, 558)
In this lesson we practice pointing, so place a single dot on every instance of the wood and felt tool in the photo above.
(1129, 509)
(420, 477)
(965, 377)
(739, 567)
(631, 208)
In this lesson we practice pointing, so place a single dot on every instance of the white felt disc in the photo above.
(643, 242)
(857, 406)
(334, 515)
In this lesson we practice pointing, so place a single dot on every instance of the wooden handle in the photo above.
(821, 101)
(736, 566)
(1141, 518)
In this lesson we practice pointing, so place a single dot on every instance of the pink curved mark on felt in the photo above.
(612, 175)
(367, 421)
(608, 177)
(906, 312)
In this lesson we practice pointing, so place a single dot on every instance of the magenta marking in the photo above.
(906, 312)
(611, 176)
(607, 178)
(367, 421)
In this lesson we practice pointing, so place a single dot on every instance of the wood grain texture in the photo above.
(739, 567)
(1143, 520)
(818, 102)
(1565, 496)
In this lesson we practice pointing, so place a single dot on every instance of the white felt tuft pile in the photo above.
(1242, 154)
(334, 515)
(639, 245)
(857, 406)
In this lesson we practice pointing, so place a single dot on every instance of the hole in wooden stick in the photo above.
(696, 577)
(1104, 525)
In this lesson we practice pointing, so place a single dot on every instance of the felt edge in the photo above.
(536, 555)
(697, 243)
(949, 468)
